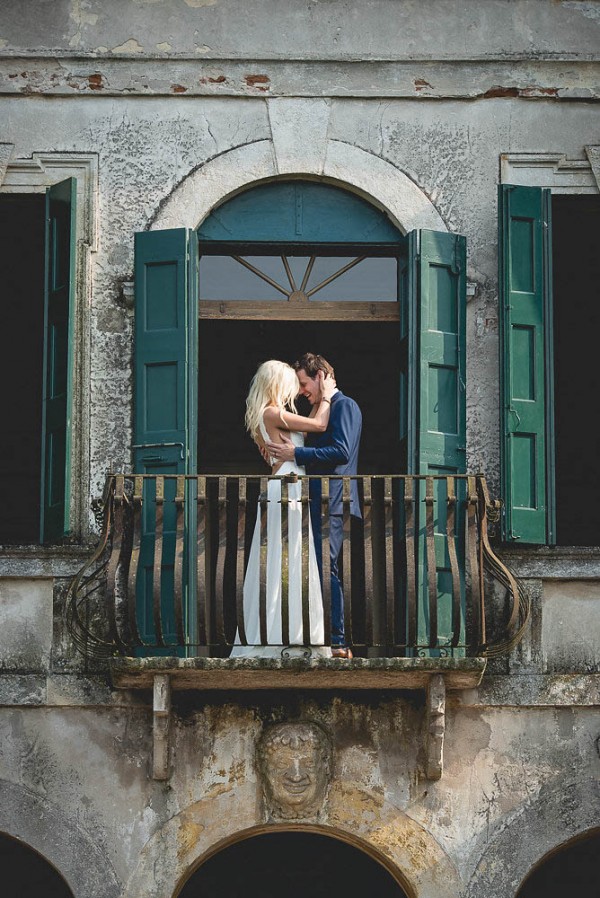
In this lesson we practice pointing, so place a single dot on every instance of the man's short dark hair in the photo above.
(312, 364)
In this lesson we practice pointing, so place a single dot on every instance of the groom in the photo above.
(333, 452)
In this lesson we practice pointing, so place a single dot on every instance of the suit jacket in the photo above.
(335, 451)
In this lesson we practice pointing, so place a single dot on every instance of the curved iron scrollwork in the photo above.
(520, 604)
(91, 606)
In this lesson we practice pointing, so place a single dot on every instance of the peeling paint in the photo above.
(130, 46)
(260, 82)
(587, 9)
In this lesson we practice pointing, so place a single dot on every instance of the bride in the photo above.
(271, 412)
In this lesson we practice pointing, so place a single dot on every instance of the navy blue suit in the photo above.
(335, 451)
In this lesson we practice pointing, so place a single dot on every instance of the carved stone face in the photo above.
(295, 762)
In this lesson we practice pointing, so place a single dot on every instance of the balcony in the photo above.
(166, 579)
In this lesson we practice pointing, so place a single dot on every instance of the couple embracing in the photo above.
(326, 442)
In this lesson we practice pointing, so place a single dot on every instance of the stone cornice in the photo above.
(554, 78)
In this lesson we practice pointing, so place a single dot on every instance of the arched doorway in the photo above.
(26, 874)
(292, 864)
(571, 870)
(288, 267)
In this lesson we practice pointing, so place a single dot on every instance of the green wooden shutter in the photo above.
(59, 302)
(437, 409)
(526, 369)
(165, 400)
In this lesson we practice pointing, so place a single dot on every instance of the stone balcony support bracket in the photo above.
(435, 726)
(161, 725)
(434, 676)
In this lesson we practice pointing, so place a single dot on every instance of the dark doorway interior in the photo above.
(571, 871)
(366, 361)
(21, 362)
(26, 874)
(292, 864)
(576, 280)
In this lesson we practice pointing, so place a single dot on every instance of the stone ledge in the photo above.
(296, 673)
(573, 690)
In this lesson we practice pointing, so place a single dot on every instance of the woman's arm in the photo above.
(275, 419)
(318, 420)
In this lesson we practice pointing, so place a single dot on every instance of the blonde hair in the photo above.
(275, 383)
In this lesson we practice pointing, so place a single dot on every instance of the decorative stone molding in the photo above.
(41, 170)
(593, 154)
(230, 812)
(295, 762)
(5, 154)
(304, 119)
(553, 170)
(341, 164)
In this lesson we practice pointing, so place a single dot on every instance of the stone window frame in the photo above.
(35, 174)
(554, 170)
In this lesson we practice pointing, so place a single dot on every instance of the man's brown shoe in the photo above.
(341, 651)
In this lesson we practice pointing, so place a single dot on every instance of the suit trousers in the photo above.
(336, 535)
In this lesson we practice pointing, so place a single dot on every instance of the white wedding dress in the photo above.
(273, 579)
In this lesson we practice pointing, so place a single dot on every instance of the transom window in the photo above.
(299, 278)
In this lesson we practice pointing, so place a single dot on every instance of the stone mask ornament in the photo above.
(295, 761)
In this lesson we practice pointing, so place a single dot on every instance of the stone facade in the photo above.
(163, 109)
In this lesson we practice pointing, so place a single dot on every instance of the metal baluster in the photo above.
(178, 566)
(481, 523)
(347, 560)
(388, 531)
(369, 560)
(221, 555)
(115, 558)
(411, 562)
(305, 561)
(473, 555)
(326, 559)
(157, 566)
(262, 565)
(283, 511)
(138, 488)
(454, 569)
(203, 565)
(239, 561)
(431, 562)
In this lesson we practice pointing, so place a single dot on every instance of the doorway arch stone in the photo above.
(558, 815)
(232, 812)
(59, 839)
(285, 154)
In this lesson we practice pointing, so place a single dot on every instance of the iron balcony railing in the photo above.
(167, 575)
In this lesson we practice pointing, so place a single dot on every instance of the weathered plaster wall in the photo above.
(157, 90)
(311, 29)
(146, 147)
(499, 765)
